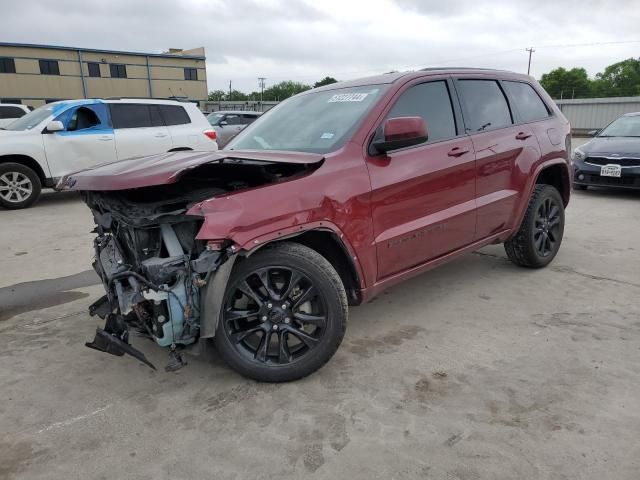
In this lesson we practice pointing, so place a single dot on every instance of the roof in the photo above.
(118, 52)
(391, 77)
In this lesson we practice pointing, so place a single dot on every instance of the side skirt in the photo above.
(388, 282)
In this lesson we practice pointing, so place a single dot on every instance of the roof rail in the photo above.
(460, 68)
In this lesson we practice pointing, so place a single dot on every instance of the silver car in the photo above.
(228, 124)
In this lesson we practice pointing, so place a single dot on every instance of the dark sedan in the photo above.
(612, 157)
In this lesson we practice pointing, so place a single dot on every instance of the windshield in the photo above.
(31, 119)
(314, 122)
(215, 118)
(623, 127)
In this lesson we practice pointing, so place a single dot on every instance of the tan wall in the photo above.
(167, 76)
(29, 87)
(165, 89)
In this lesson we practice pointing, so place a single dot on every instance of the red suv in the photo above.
(326, 200)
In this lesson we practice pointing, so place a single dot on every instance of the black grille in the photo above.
(613, 181)
(623, 162)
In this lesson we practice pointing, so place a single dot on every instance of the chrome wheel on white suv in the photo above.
(19, 186)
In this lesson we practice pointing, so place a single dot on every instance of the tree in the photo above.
(216, 96)
(563, 83)
(325, 81)
(621, 79)
(236, 96)
(283, 90)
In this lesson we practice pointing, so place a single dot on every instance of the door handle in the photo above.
(457, 151)
(105, 139)
(160, 135)
(522, 136)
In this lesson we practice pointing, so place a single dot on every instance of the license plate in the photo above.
(611, 171)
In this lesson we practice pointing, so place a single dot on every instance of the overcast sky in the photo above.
(307, 40)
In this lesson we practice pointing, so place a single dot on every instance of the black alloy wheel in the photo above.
(275, 315)
(538, 239)
(284, 314)
(547, 226)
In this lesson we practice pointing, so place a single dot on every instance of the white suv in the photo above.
(9, 112)
(63, 137)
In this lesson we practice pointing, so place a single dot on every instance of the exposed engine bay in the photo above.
(151, 265)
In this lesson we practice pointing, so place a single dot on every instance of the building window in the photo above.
(191, 74)
(94, 69)
(7, 65)
(11, 100)
(49, 67)
(118, 70)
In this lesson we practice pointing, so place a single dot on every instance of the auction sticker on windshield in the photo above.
(348, 97)
(611, 171)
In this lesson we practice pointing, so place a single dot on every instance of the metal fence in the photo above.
(594, 113)
(250, 106)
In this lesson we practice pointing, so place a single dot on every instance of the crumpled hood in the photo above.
(166, 168)
(623, 146)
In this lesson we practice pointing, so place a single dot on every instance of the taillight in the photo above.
(211, 134)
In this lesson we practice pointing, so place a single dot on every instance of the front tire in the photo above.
(538, 240)
(20, 186)
(284, 314)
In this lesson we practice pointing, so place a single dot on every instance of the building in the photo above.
(587, 114)
(37, 74)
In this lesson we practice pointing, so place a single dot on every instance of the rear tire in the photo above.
(20, 186)
(538, 240)
(291, 319)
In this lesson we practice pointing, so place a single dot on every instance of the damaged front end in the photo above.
(153, 268)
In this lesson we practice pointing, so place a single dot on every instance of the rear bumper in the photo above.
(587, 174)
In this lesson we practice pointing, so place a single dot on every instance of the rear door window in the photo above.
(174, 115)
(484, 105)
(234, 120)
(528, 103)
(432, 102)
(130, 115)
(156, 116)
(247, 119)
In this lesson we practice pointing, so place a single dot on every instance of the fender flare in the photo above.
(252, 245)
(533, 178)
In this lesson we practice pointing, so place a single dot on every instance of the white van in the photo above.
(63, 137)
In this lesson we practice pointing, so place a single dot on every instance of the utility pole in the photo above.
(530, 50)
(261, 83)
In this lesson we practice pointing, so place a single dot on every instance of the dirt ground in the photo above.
(476, 370)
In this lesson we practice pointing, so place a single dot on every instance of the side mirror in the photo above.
(593, 133)
(402, 132)
(223, 123)
(55, 126)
